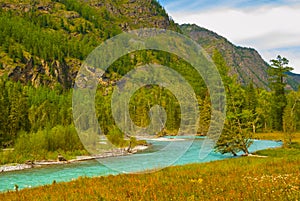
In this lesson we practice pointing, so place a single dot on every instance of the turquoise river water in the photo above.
(60, 173)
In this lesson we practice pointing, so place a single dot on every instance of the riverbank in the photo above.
(114, 153)
(155, 156)
(275, 177)
(38, 164)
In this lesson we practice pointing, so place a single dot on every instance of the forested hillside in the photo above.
(43, 44)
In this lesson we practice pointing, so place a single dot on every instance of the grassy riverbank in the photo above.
(276, 177)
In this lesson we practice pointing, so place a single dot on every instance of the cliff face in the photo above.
(246, 63)
(46, 73)
(44, 42)
(293, 81)
(59, 34)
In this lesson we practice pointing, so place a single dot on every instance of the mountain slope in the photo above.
(44, 42)
(246, 63)
(294, 80)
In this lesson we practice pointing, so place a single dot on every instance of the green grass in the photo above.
(276, 177)
(293, 150)
(269, 136)
(276, 136)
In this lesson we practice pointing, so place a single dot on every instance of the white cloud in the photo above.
(292, 55)
(272, 40)
(264, 28)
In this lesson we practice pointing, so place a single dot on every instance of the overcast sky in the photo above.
(272, 27)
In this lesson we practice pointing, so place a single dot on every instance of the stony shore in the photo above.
(35, 164)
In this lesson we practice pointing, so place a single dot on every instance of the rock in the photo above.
(61, 158)
(16, 187)
(8, 168)
(29, 162)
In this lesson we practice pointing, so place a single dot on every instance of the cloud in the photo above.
(265, 28)
(238, 25)
(202, 5)
(292, 54)
(273, 40)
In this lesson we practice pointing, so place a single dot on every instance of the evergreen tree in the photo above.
(277, 73)
(205, 115)
(4, 108)
(251, 104)
(291, 116)
(236, 135)
(264, 109)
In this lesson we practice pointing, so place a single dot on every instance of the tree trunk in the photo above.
(253, 128)
(246, 151)
(265, 125)
(129, 147)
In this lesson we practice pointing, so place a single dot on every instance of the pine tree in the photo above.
(291, 116)
(251, 104)
(264, 109)
(236, 135)
(4, 108)
(205, 115)
(277, 73)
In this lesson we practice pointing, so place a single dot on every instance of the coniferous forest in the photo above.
(43, 45)
(38, 120)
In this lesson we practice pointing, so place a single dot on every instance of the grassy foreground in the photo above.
(276, 177)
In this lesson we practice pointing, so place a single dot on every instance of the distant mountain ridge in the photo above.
(247, 63)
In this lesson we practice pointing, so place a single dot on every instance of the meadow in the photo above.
(274, 177)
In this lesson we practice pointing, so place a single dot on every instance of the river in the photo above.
(61, 173)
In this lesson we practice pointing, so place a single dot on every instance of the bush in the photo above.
(39, 145)
(115, 136)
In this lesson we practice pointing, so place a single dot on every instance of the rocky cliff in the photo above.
(245, 62)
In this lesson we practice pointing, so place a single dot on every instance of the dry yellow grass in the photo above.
(276, 136)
